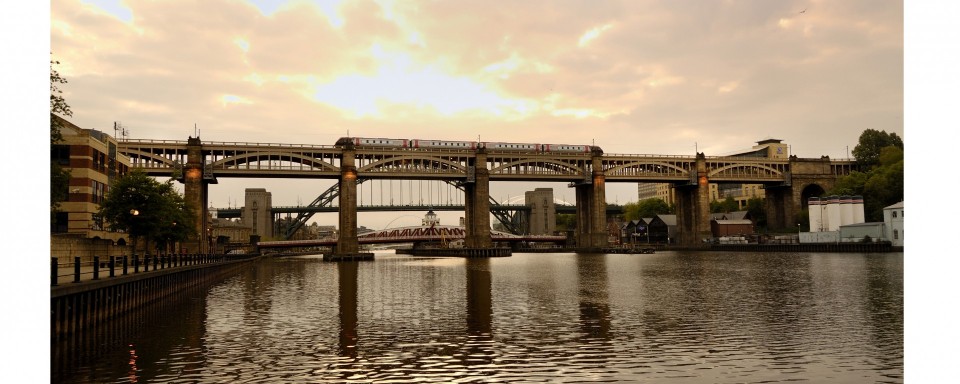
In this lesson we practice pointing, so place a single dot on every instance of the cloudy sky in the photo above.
(652, 77)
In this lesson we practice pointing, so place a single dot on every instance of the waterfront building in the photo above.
(893, 220)
(663, 229)
(94, 163)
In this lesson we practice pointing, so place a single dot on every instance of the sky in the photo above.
(638, 77)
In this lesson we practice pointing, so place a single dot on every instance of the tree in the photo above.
(867, 151)
(58, 105)
(646, 208)
(59, 177)
(881, 185)
(724, 206)
(146, 208)
(566, 222)
(758, 212)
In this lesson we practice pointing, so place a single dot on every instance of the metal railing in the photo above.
(113, 266)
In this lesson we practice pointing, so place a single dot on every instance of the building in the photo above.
(663, 229)
(893, 220)
(862, 232)
(230, 231)
(723, 227)
(256, 213)
(93, 161)
(543, 211)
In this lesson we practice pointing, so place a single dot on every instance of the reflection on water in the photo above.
(671, 316)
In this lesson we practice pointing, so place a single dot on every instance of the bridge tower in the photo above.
(347, 243)
(693, 205)
(477, 203)
(592, 206)
(807, 178)
(195, 190)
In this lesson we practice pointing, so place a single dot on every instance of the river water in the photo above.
(675, 317)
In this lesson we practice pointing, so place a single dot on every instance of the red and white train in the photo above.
(418, 143)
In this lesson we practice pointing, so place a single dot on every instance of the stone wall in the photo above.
(66, 247)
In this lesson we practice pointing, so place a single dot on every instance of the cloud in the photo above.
(633, 77)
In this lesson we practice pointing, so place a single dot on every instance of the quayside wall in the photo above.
(77, 307)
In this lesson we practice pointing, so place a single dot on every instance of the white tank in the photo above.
(858, 216)
(815, 214)
(846, 210)
(833, 213)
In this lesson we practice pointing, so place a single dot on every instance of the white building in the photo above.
(893, 220)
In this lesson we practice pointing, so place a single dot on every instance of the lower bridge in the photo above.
(420, 234)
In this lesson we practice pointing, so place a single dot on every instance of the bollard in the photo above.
(155, 257)
(136, 263)
(96, 267)
(113, 264)
(124, 265)
(54, 271)
(76, 269)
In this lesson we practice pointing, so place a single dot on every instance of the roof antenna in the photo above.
(196, 132)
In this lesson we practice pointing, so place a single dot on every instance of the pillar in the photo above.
(592, 208)
(347, 242)
(693, 206)
(195, 193)
(477, 204)
(779, 204)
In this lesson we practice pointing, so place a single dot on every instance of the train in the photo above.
(500, 146)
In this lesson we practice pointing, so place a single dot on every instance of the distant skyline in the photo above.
(651, 77)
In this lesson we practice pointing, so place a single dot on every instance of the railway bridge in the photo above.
(787, 182)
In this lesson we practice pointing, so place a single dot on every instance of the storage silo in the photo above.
(858, 216)
(815, 213)
(846, 210)
(833, 213)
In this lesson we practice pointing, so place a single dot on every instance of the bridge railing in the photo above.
(633, 155)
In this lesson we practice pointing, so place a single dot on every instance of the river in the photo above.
(676, 317)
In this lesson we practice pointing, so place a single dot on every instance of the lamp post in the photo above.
(134, 214)
(798, 233)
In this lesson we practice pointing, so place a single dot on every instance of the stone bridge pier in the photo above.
(693, 206)
(347, 243)
(592, 208)
(195, 192)
(477, 203)
(807, 178)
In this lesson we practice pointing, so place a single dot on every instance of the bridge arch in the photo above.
(746, 169)
(288, 157)
(153, 159)
(647, 167)
(548, 166)
(412, 162)
(808, 191)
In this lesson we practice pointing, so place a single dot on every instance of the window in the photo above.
(61, 154)
(894, 214)
(896, 234)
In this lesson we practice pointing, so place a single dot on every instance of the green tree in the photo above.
(881, 185)
(724, 206)
(758, 213)
(566, 222)
(646, 208)
(148, 209)
(867, 151)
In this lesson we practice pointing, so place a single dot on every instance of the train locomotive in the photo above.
(498, 146)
